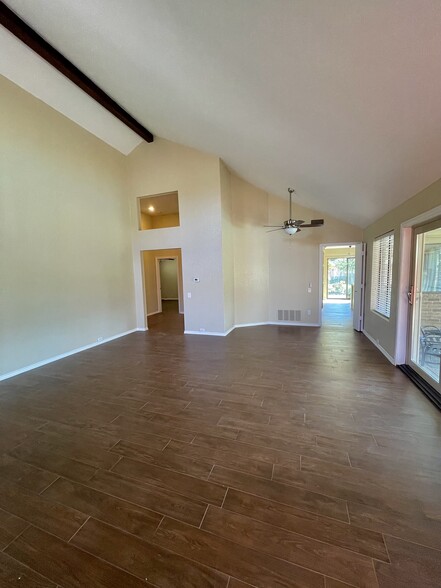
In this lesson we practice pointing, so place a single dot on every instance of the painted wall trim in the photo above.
(63, 355)
(293, 324)
(240, 326)
(379, 347)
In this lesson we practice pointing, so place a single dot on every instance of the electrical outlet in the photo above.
(100, 339)
(202, 330)
(188, 294)
(308, 312)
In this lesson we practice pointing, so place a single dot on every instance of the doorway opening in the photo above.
(342, 285)
(163, 299)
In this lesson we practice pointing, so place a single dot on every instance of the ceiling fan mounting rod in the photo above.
(290, 190)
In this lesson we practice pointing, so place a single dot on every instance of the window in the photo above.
(382, 259)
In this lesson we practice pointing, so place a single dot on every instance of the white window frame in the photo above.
(382, 267)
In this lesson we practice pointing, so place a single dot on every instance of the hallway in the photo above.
(337, 313)
(167, 321)
(274, 457)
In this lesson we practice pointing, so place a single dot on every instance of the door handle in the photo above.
(410, 298)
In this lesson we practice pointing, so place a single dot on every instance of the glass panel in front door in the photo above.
(425, 349)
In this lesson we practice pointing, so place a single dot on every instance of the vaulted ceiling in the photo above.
(340, 99)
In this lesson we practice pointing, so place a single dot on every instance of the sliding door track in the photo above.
(421, 383)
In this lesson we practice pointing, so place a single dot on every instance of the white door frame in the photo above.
(158, 280)
(321, 259)
(405, 262)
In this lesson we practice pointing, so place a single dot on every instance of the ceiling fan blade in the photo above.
(272, 230)
(316, 223)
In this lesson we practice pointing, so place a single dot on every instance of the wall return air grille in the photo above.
(289, 315)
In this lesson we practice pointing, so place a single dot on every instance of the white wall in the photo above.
(65, 259)
(163, 166)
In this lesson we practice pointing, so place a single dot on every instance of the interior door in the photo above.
(424, 331)
(359, 286)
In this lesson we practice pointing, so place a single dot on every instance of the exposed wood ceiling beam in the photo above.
(34, 41)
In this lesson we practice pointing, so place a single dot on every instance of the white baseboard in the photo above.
(379, 347)
(211, 333)
(33, 366)
(293, 324)
(152, 313)
(242, 325)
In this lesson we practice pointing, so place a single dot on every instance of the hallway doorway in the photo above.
(163, 299)
(342, 285)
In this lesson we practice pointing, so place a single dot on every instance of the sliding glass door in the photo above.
(424, 349)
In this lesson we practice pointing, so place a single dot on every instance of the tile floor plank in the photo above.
(184, 484)
(279, 492)
(157, 565)
(164, 459)
(330, 531)
(119, 513)
(14, 573)
(209, 453)
(298, 549)
(161, 500)
(259, 569)
(60, 520)
(66, 565)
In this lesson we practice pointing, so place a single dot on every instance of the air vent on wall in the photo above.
(289, 315)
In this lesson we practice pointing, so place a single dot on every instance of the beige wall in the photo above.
(294, 262)
(227, 246)
(272, 271)
(150, 281)
(161, 167)
(162, 221)
(65, 259)
(251, 289)
(168, 272)
(379, 328)
(145, 221)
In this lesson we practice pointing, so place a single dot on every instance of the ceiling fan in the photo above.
(292, 226)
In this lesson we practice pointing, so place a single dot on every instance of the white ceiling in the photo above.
(340, 99)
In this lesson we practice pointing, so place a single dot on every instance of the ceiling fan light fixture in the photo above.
(291, 230)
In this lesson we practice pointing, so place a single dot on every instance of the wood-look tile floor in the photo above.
(274, 457)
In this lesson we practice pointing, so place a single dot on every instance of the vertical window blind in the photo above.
(382, 258)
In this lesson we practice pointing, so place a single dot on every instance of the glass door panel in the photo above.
(341, 275)
(425, 298)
